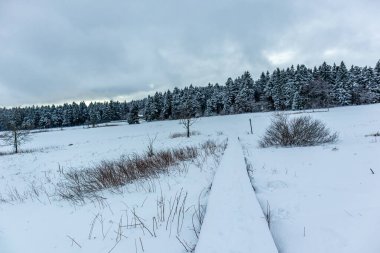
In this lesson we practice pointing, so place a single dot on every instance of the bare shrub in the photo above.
(300, 131)
(209, 147)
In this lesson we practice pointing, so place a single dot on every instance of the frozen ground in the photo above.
(322, 199)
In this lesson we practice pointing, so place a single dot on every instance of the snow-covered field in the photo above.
(322, 198)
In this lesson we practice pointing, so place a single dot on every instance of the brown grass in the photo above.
(81, 184)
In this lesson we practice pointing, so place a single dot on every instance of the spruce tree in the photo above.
(377, 73)
(166, 112)
(342, 93)
(176, 103)
(355, 84)
(259, 86)
(133, 117)
(230, 95)
(289, 88)
(325, 73)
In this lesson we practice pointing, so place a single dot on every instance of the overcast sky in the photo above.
(56, 51)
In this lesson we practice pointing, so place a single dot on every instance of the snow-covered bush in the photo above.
(300, 131)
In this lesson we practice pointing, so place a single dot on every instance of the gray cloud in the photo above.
(55, 51)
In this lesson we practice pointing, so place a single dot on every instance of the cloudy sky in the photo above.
(55, 51)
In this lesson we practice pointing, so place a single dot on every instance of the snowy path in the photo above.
(234, 221)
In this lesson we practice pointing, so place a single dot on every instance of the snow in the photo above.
(322, 198)
(44, 224)
(234, 221)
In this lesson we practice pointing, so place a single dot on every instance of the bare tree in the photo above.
(187, 122)
(16, 137)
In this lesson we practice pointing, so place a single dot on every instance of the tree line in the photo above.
(293, 88)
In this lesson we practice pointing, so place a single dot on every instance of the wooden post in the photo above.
(250, 123)
(188, 127)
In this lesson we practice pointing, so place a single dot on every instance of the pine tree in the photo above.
(216, 102)
(191, 103)
(371, 92)
(342, 93)
(133, 117)
(159, 104)
(278, 89)
(376, 81)
(334, 71)
(75, 113)
(355, 84)
(302, 79)
(325, 73)
(211, 106)
(93, 114)
(230, 95)
(167, 106)
(296, 101)
(289, 88)
(150, 109)
(259, 86)
(199, 102)
(67, 115)
(269, 92)
(45, 120)
(245, 98)
(176, 103)
(246, 80)
(83, 112)
(377, 73)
